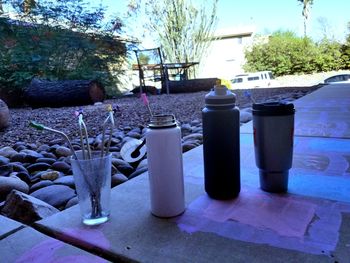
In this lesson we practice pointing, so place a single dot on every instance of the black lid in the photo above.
(220, 96)
(276, 108)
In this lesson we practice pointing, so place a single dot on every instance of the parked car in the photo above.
(340, 78)
(252, 80)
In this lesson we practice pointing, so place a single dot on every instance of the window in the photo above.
(253, 78)
(237, 80)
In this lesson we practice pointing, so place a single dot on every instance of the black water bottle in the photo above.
(221, 144)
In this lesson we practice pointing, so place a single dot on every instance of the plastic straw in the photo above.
(146, 103)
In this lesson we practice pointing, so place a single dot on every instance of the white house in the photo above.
(226, 53)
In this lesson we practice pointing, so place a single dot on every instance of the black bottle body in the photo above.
(221, 151)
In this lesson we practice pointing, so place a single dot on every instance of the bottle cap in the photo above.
(220, 96)
(162, 121)
(275, 108)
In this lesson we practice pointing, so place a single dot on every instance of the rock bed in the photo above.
(37, 164)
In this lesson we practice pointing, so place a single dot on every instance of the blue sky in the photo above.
(271, 15)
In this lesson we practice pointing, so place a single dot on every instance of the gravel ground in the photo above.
(186, 107)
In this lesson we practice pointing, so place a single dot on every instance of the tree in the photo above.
(306, 12)
(182, 29)
(59, 39)
(345, 50)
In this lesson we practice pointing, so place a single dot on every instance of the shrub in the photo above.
(285, 53)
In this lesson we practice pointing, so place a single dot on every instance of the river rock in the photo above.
(46, 160)
(55, 195)
(198, 129)
(117, 162)
(245, 116)
(17, 202)
(50, 175)
(63, 151)
(117, 179)
(31, 155)
(56, 141)
(7, 152)
(4, 160)
(193, 136)
(5, 170)
(133, 134)
(7, 184)
(138, 172)
(18, 167)
(38, 167)
(189, 145)
(43, 148)
(71, 202)
(61, 166)
(67, 180)
(49, 155)
(123, 166)
(18, 157)
(186, 127)
(25, 177)
(39, 185)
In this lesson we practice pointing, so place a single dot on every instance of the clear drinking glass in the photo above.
(93, 185)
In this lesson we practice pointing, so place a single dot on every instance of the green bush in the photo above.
(285, 53)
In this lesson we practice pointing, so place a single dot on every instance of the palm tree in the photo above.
(306, 11)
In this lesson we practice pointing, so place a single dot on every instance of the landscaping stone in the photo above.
(67, 180)
(24, 177)
(7, 184)
(72, 201)
(6, 170)
(63, 151)
(50, 175)
(46, 160)
(61, 166)
(38, 167)
(18, 157)
(25, 208)
(31, 155)
(40, 184)
(118, 178)
(55, 195)
(138, 172)
(7, 152)
(4, 160)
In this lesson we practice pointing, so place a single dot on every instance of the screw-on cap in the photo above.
(162, 121)
(220, 96)
(276, 108)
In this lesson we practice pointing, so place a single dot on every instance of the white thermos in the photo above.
(165, 167)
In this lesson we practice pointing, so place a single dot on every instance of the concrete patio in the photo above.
(311, 223)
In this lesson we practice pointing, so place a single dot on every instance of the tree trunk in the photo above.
(191, 85)
(43, 93)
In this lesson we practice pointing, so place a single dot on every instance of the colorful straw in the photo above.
(82, 128)
(146, 103)
(108, 120)
(41, 127)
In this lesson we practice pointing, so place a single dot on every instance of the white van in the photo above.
(252, 80)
